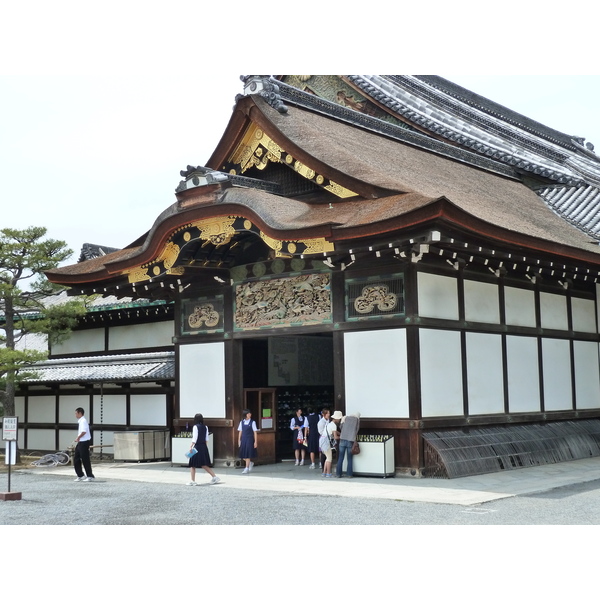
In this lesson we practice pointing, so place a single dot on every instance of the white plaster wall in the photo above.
(556, 361)
(587, 375)
(519, 306)
(553, 311)
(481, 302)
(67, 406)
(438, 296)
(104, 438)
(376, 373)
(202, 380)
(87, 340)
(149, 409)
(110, 409)
(584, 315)
(42, 439)
(441, 373)
(42, 409)
(66, 437)
(484, 373)
(523, 374)
(19, 409)
(146, 335)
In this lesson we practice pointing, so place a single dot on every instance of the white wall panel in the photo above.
(587, 376)
(67, 406)
(441, 373)
(149, 409)
(110, 409)
(438, 296)
(484, 373)
(19, 409)
(376, 373)
(87, 340)
(66, 437)
(202, 380)
(42, 439)
(42, 409)
(523, 374)
(147, 335)
(519, 306)
(481, 302)
(104, 438)
(584, 315)
(553, 311)
(556, 361)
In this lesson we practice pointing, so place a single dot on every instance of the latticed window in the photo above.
(374, 297)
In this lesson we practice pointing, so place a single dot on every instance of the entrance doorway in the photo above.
(298, 370)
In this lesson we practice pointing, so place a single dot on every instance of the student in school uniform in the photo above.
(200, 460)
(247, 440)
(298, 425)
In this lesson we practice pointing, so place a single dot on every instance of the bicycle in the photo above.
(53, 459)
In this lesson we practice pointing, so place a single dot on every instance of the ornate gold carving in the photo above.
(315, 245)
(217, 231)
(291, 247)
(156, 270)
(339, 190)
(302, 299)
(187, 236)
(203, 313)
(375, 296)
(272, 243)
(169, 255)
(250, 152)
(138, 274)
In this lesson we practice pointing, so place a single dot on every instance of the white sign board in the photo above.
(10, 429)
(11, 450)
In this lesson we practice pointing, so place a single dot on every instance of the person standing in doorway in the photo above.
(82, 448)
(348, 435)
(202, 457)
(247, 440)
(313, 436)
(298, 425)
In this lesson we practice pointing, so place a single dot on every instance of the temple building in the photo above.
(393, 245)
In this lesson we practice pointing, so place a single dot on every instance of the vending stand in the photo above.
(10, 431)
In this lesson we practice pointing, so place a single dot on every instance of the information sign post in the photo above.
(10, 432)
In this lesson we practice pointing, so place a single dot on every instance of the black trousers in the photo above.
(82, 455)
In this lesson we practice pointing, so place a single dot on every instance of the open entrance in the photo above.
(295, 371)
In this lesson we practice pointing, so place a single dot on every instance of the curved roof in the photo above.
(395, 179)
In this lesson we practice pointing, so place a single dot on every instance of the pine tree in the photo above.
(24, 307)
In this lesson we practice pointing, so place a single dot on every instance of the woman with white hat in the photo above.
(329, 435)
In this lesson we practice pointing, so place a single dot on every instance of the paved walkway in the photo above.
(284, 477)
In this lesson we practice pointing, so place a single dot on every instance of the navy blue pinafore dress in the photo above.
(247, 449)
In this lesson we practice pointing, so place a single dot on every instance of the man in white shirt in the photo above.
(82, 449)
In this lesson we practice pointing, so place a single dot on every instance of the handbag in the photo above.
(355, 448)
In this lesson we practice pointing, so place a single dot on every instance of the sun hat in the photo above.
(337, 414)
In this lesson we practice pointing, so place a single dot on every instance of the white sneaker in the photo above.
(312, 466)
(90, 478)
(301, 463)
(246, 470)
(80, 479)
(215, 480)
(191, 483)
(251, 466)
(297, 463)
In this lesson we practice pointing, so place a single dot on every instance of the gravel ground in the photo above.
(58, 500)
